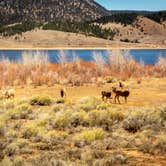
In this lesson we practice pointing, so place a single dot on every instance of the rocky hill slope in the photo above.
(12, 11)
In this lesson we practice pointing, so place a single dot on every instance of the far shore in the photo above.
(81, 48)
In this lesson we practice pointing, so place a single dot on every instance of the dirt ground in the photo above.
(151, 91)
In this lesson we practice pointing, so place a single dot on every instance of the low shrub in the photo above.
(54, 137)
(116, 158)
(30, 130)
(88, 103)
(62, 119)
(41, 100)
(163, 115)
(105, 118)
(47, 158)
(90, 135)
(87, 157)
(6, 162)
(80, 118)
(160, 144)
(2, 128)
(74, 153)
(60, 101)
(17, 161)
(142, 118)
(153, 143)
(57, 108)
(9, 105)
(103, 106)
(14, 147)
(20, 112)
(12, 134)
(109, 79)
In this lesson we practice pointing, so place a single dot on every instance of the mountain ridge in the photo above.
(12, 11)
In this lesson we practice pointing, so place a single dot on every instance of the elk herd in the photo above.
(106, 95)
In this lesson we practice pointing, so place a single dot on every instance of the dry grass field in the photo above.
(56, 39)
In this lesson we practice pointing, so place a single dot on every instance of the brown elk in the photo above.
(63, 92)
(121, 85)
(106, 95)
(119, 93)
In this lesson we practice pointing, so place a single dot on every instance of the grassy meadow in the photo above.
(39, 128)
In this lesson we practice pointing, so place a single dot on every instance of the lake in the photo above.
(148, 56)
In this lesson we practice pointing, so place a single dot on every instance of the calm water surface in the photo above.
(148, 56)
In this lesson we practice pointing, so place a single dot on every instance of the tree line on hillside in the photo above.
(158, 17)
(81, 27)
(129, 18)
(85, 28)
(18, 28)
(91, 28)
(123, 18)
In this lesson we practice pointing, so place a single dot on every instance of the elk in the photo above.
(119, 93)
(9, 93)
(106, 95)
(62, 92)
(121, 85)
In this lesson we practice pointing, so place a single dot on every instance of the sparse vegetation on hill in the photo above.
(13, 11)
(18, 28)
(123, 18)
(85, 28)
(127, 18)
(157, 16)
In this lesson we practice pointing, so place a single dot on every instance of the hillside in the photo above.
(12, 11)
(138, 30)
(149, 26)
(56, 39)
(83, 23)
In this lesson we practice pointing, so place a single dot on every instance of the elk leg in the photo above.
(126, 99)
(110, 99)
(118, 99)
(115, 99)
(102, 97)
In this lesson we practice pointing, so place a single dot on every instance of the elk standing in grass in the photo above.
(63, 92)
(106, 95)
(9, 93)
(119, 93)
(121, 85)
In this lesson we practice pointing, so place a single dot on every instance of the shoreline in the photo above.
(83, 48)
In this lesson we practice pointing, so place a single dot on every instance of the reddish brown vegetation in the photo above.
(76, 72)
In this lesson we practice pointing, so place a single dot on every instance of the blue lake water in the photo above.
(149, 56)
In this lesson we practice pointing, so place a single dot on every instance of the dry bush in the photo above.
(41, 100)
(2, 128)
(90, 135)
(144, 118)
(88, 103)
(160, 67)
(105, 119)
(35, 69)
